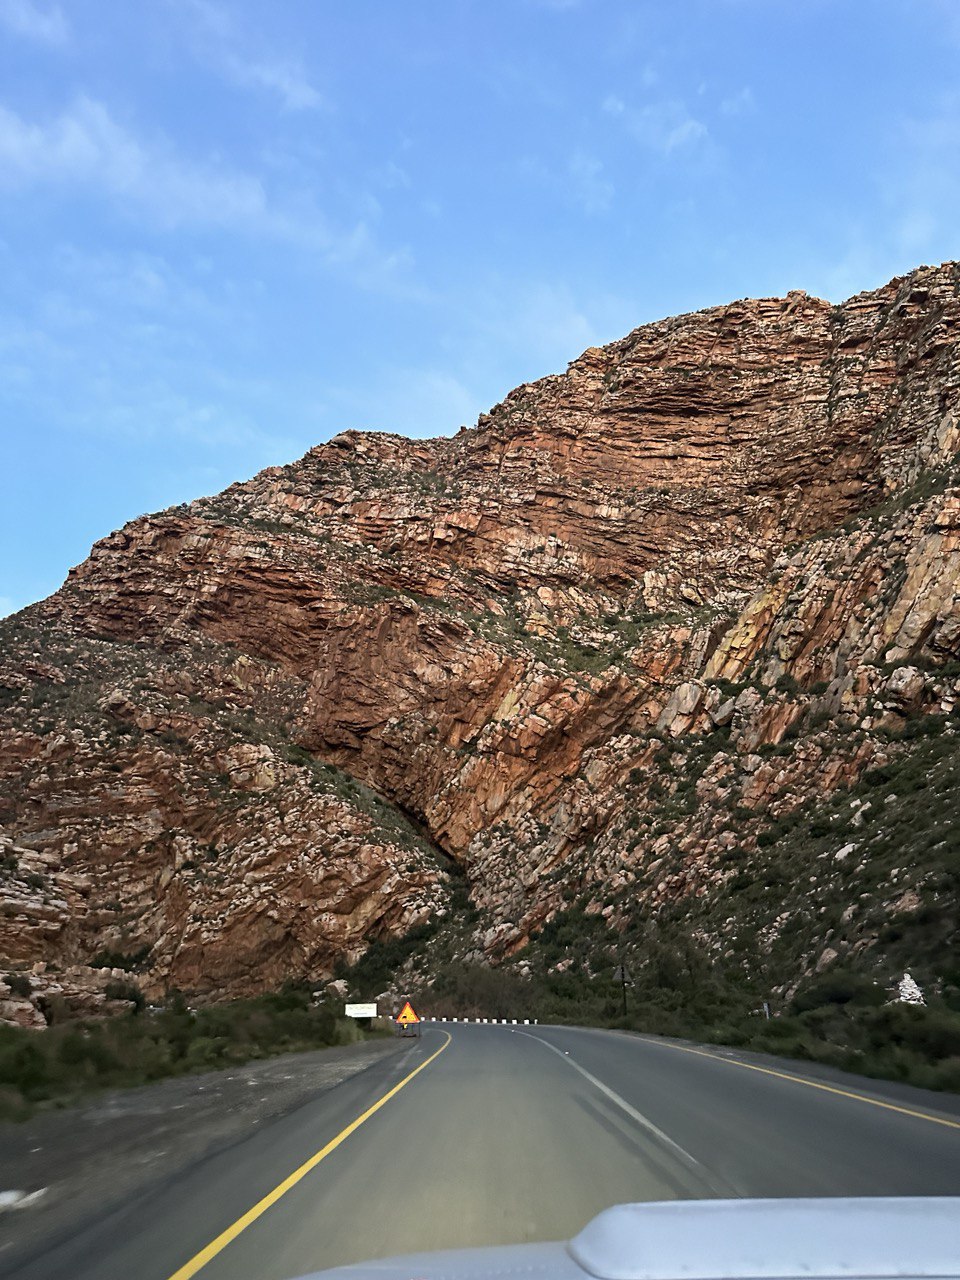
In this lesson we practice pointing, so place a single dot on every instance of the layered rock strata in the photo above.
(253, 733)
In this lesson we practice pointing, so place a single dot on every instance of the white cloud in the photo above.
(548, 323)
(911, 207)
(951, 18)
(218, 42)
(133, 285)
(580, 179)
(916, 230)
(392, 177)
(935, 139)
(25, 18)
(924, 192)
(862, 264)
(511, 332)
(286, 79)
(209, 17)
(587, 184)
(739, 103)
(665, 126)
(86, 147)
(135, 347)
(136, 374)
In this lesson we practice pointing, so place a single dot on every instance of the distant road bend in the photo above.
(478, 1135)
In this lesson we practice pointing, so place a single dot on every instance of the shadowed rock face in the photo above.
(263, 724)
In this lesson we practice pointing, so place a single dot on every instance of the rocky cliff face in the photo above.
(590, 648)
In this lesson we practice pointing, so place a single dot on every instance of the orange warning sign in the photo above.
(407, 1016)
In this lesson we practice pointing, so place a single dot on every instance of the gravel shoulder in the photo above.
(84, 1160)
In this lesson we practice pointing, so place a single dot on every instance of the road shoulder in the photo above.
(84, 1161)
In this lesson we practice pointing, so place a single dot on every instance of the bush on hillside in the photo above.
(73, 1057)
(838, 987)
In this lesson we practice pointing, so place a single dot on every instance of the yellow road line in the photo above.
(811, 1084)
(225, 1237)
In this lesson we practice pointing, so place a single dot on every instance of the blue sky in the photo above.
(230, 229)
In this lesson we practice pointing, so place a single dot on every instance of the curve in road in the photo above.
(478, 1135)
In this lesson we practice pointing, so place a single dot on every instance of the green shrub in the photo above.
(118, 990)
(946, 1075)
(375, 969)
(879, 776)
(923, 726)
(23, 1065)
(928, 1032)
(87, 1050)
(74, 1056)
(120, 959)
(838, 988)
(206, 1051)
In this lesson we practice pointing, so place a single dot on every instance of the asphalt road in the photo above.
(506, 1135)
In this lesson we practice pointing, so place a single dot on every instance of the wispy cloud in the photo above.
(7, 606)
(925, 191)
(548, 322)
(84, 146)
(911, 209)
(511, 331)
(950, 17)
(286, 79)
(25, 18)
(133, 283)
(587, 183)
(739, 103)
(665, 126)
(124, 346)
(220, 44)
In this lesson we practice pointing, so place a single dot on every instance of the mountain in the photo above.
(654, 640)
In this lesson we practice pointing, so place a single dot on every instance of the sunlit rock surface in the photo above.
(552, 652)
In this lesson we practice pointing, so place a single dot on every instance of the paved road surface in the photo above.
(509, 1135)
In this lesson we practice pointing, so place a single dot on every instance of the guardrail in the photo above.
(493, 1022)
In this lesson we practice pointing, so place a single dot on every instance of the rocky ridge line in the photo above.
(726, 533)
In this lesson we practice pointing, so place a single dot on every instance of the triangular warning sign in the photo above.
(406, 1016)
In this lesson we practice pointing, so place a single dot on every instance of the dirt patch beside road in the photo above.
(85, 1159)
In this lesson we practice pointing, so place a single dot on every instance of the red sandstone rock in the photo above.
(490, 632)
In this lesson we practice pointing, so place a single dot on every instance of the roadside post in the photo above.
(620, 975)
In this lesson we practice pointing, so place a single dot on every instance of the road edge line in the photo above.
(227, 1236)
(811, 1084)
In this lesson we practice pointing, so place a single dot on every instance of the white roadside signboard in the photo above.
(361, 1010)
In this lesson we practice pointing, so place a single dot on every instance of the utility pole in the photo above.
(620, 972)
